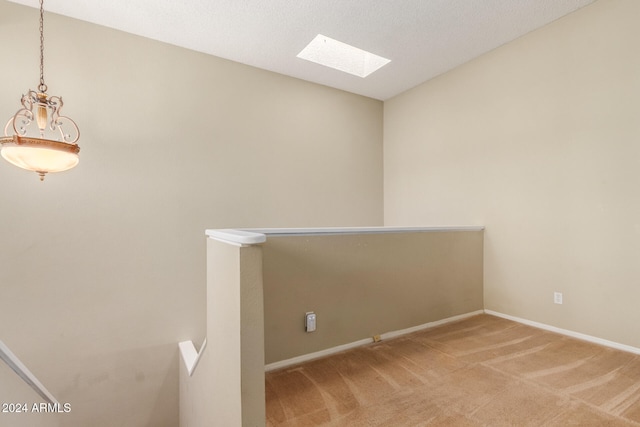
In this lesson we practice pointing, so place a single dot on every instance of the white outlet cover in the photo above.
(310, 321)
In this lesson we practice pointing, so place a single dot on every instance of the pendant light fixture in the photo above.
(37, 137)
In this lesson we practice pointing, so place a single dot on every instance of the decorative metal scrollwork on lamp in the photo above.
(38, 138)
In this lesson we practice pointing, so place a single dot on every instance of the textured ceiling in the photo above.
(423, 38)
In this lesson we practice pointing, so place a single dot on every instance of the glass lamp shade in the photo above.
(39, 155)
(38, 138)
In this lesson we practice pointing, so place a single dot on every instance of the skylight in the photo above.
(332, 53)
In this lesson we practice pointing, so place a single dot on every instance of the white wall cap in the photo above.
(238, 237)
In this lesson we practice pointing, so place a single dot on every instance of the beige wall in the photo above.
(539, 141)
(227, 387)
(102, 269)
(364, 285)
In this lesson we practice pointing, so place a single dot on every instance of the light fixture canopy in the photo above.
(38, 138)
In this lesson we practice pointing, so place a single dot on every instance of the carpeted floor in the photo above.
(482, 371)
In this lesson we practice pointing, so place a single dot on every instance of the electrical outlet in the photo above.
(310, 321)
(557, 297)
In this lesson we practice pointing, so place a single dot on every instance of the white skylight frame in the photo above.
(335, 54)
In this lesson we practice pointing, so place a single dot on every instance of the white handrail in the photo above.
(23, 372)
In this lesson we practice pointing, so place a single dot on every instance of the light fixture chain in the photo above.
(43, 87)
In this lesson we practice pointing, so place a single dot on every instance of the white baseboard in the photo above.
(429, 325)
(567, 332)
(387, 335)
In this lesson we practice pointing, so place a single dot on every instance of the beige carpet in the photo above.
(482, 371)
